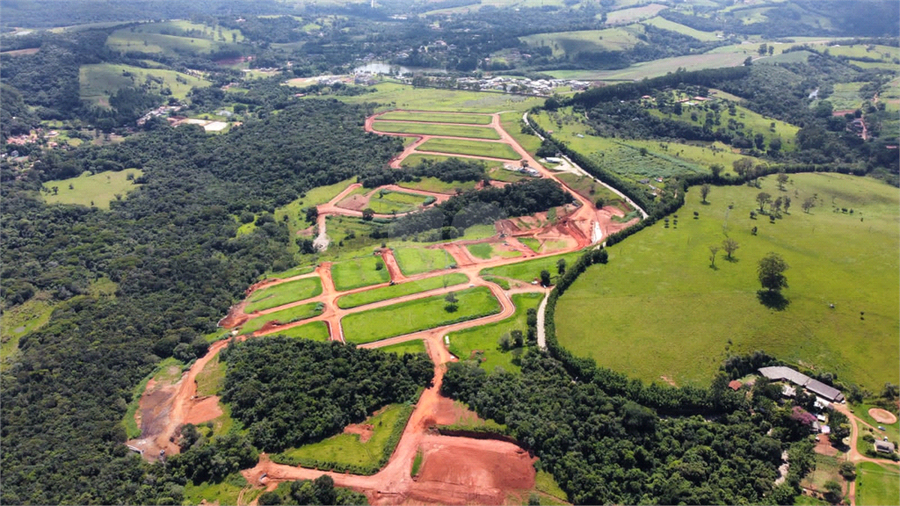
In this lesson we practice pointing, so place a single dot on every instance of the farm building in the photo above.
(884, 446)
(781, 373)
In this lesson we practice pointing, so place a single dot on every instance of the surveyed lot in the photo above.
(471, 148)
(418, 260)
(285, 316)
(400, 290)
(387, 202)
(474, 132)
(659, 309)
(437, 117)
(315, 331)
(284, 293)
(419, 314)
(359, 272)
(92, 189)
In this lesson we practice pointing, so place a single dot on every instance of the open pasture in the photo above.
(655, 68)
(530, 270)
(401, 289)
(672, 26)
(315, 331)
(753, 123)
(285, 316)
(632, 14)
(359, 272)
(414, 346)
(418, 260)
(877, 484)
(474, 132)
(283, 293)
(437, 117)
(417, 315)
(659, 309)
(572, 43)
(471, 148)
(97, 82)
(395, 95)
(433, 184)
(92, 189)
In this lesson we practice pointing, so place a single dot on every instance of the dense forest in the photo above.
(290, 392)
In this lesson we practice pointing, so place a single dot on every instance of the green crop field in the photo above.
(359, 272)
(472, 148)
(484, 340)
(97, 82)
(92, 189)
(395, 95)
(315, 331)
(418, 260)
(876, 484)
(475, 132)
(572, 43)
(683, 318)
(387, 201)
(530, 270)
(347, 449)
(414, 346)
(672, 26)
(401, 289)
(283, 293)
(417, 315)
(437, 117)
(285, 316)
(433, 184)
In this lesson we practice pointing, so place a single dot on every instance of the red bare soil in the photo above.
(392, 266)
(355, 202)
(364, 430)
(204, 409)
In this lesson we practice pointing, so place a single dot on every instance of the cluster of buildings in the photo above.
(524, 85)
(163, 110)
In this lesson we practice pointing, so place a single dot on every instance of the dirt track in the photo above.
(456, 470)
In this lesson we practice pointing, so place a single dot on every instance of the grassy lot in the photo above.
(572, 43)
(846, 96)
(437, 117)
(284, 293)
(530, 269)
(826, 469)
(433, 184)
(672, 26)
(416, 315)
(346, 449)
(99, 81)
(21, 320)
(473, 148)
(359, 272)
(656, 68)
(294, 271)
(418, 260)
(544, 482)
(702, 154)
(876, 484)
(394, 95)
(662, 290)
(387, 202)
(315, 331)
(123, 41)
(414, 346)
(806, 500)
(415, 159)
(401, 289)
(482, 250)
(92, 189)
(633, 14)
(483, 341)
(285, 316)
(512, 123)
(212, 378)
(590, 189)
(475, 132)
(226, 492)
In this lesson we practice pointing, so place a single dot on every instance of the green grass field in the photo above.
(284, 293)
(174, 37)
(92, 189)
(395, 95)
(572, 43)
(416, 315)
(387, 202)
(359, 272)
(347, 449)
(97, 82)
(21, 320)
(672, 26)
(530, 270)
(414, 346)
(656, 68)
(225, 492)
(590, 189)
(475, 132)
(473, 148)
(683, 318)
(482, 250)
(437, 117)
(846, 96)
(433, 184)
(295, 210)
(285, 316)
(877, 485)
(401, 289)
(314, 331)
(826, 469)
(212, 378)
(418, 260)
(633, 14)
(483, 340)
(512, 123)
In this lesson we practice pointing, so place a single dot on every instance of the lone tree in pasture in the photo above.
(786, 203)
(808, 204)
(730, 246)
(713, 251)
(762, 199)
(771, 272)
(782, 180)
(704, 192)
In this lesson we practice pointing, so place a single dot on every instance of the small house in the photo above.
(735, 385)
(884, 446)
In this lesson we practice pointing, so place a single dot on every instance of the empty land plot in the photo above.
(512, 123)
(359, 272)
(433, 184)
(401, 289)
(590, 189)
(408, 97)
(672, 307)
(437, 117)
(92, 189)
(656, 68)
(415, 159)
(284, 293)
(387, 202)
(826, 469)
(672, 26)
(124, 41)
(474, 132)
(285, 316)
(315, 331)
(346, 450)
(418, 260)
(530, 270)
(295, 210)
(483, 342)
(877, 484)
(572, 43)
(471, 148)
(414, 346)
(416, 315)
(633, 14)
(97, 82)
